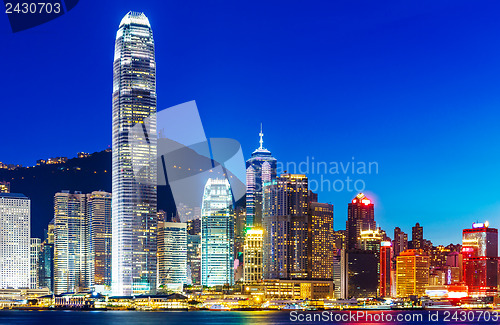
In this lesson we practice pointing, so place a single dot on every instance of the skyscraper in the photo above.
(47, 259)
(400, 241)
(412, 273)
(321, 241)
(362, 273)
(417, 236)
(370, 240)
(261, 168)
(194, 259)
(340, 273)
(15, 212)
(35, 245)
(73, 264)
(360, 217)
(480, 259)
(134, 202)
(99, 221)
(339, 239)
(172, 255)
(285, 207)
(217, 234)
(252, 252)
(385, 269)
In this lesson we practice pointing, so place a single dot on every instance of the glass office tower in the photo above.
(261, 168)
(217, 234)
(134, 203)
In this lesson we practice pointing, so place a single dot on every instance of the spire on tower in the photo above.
(261, 141)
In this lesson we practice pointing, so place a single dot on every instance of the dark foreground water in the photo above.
(254, 317)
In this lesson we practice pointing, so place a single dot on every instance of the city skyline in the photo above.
(417, 121)
(356, 200)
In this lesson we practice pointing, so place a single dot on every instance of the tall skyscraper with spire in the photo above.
(134, 203)
(261, 168)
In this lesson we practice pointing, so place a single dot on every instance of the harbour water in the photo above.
(59, 317)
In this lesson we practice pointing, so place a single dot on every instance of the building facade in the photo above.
(480, 259)
(362, 273)
(172, 254)
(340, 273)
(217, 234)
(46, 261)
(252, 252)
(321, 241)
(73, 265)
(417, 236)
(412, 273)
(385, 267)
(400, 241)
(99, 220)
(15, 213)
(134, 204)
(360, 217)
(35, 246)
(194, 259)
(285, 214)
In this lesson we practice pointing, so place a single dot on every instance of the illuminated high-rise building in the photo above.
(99, 221)
(239, 241)
(47, 259)
(252, 252)
(15, 212)
(480, 259)
(385, 269)
(417, 236)
(412, 273)
(285, 211)
(261, 168)
(360, 217)
(320, 241)
(172, 254)
(339, 239)
(340, 273)
(370, 240)
(35, 245)
(194, 258)
(400, 241)
(73, 264)
(134, 204)
(217, 234)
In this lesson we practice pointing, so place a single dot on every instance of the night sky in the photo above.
(414, 87)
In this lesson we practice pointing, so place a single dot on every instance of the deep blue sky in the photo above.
(413, 86)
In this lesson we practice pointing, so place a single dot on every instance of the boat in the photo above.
(444, 304)
(292, 307)
(218, 307)
(377, 307)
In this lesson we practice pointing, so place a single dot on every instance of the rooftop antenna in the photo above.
(261, 141)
